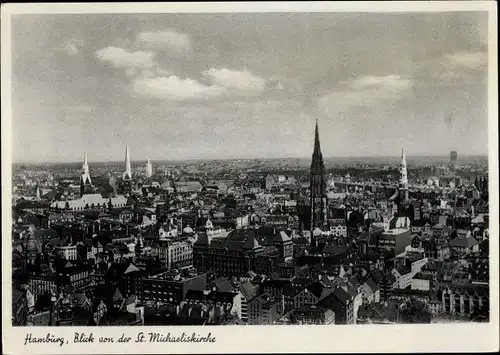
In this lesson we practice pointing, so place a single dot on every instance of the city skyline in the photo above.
(157, 83)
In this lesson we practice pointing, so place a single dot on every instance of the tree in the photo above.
(415, 312)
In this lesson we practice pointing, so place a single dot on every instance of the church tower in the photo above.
(85, 181)
(149, 168)
(403, 178)
(319, 204)
(404, 210)
(127, 174)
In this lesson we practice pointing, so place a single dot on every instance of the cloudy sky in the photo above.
(180, 86)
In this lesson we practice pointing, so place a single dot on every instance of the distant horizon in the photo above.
(412, 156)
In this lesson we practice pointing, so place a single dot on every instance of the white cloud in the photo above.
(233, 79)
(389, 83)
(123, 59)
(168, 41)
(454, 67)
(174, 88)
(72, 47)
(466, 60)
(364, 92)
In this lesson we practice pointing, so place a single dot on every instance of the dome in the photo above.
(188, 230)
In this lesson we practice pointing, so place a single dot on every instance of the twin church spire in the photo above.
(86, 186)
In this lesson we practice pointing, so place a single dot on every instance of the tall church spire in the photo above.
(319, 204)
(317, 164)
(403, 176)
(127, 175)
(317, 146)
(85, 181)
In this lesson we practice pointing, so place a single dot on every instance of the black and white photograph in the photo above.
(248, 168)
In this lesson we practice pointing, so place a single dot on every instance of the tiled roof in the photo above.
(248, 290)
(117, 296)
(223, 285)
(372, 284)
(463, 242)
(403, 270)
(282, 236)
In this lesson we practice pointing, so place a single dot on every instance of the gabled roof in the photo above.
(117, 296)
(342, 295)
(403, 270)
(223, 285)
(282, 236)
(264, 299)
(248, 290)
(251, 243)
(131, 268)
(318, 290)
(338, 295)
(463, 242)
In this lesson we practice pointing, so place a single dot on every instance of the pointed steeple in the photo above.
(149, 168)
(319, 203)
(128, 170)
(85, 181)
(317, 165)
(317, 146)
(85, 166)
(403, 178)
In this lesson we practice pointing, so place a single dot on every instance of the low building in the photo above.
(465, 299)
(232, 256)
(311, 295)
(370, 292)
(421, 282)
(89, 202)
(174, 253)
(312, 314)
(342, 304)
(395, 241)
(42, 284)
(248, 292)
(67, 252)
(171, 287)
(403, 276)
(464, 246)
(262, 310)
